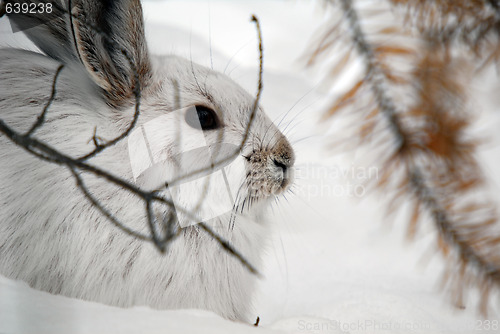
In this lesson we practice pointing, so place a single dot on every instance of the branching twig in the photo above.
(230, 157)
(94, 201)
(227, 247)
(136, 88)
(41, 118)
(49, 154)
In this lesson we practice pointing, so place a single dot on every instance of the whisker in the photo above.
(284, 114)
(232, 218)
(265, 133)
(295, 142)
(233, 69)
(191, 60)
(297, 102)
(294, 119)
(210, 35)
(276, 132)
(234, 55)
(243, 205)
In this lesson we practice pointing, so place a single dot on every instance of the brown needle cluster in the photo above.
(411, 100)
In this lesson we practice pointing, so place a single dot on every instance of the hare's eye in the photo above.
(202, 116)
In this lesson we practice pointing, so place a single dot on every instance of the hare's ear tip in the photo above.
(113, 47)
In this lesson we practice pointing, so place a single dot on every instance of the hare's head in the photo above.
(186, 109)
(217, 111)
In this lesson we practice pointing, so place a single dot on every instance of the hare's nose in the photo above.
(283, 159)
(283, 155)
(281, 165)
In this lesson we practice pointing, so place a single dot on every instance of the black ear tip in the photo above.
(111, 45)
(3, 8)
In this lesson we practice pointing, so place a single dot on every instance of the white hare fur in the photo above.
(55, 240)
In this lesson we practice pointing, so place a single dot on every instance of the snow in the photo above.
(337, 263)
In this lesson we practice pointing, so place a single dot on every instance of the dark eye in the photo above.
(202, 116)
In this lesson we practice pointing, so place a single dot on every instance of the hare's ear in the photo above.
(110, 43)
(106, 36)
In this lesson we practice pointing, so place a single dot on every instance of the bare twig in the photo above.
(250, 122)
(136, 89)
(81, 185)
(227, 247)
(41, 118)
(49, 154)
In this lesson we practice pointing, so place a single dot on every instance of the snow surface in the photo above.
(337, 263)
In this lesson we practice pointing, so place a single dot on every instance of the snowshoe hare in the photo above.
(55, 239)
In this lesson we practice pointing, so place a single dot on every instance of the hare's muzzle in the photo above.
(282, 158)
(284, 173)
(271, 169)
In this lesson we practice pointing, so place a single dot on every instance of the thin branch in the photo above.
(95, 202)
(136, 89)
(227, 247)
(49, 154)
(260, 85)
(250, 122)
(41, 118)
(151, 220)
